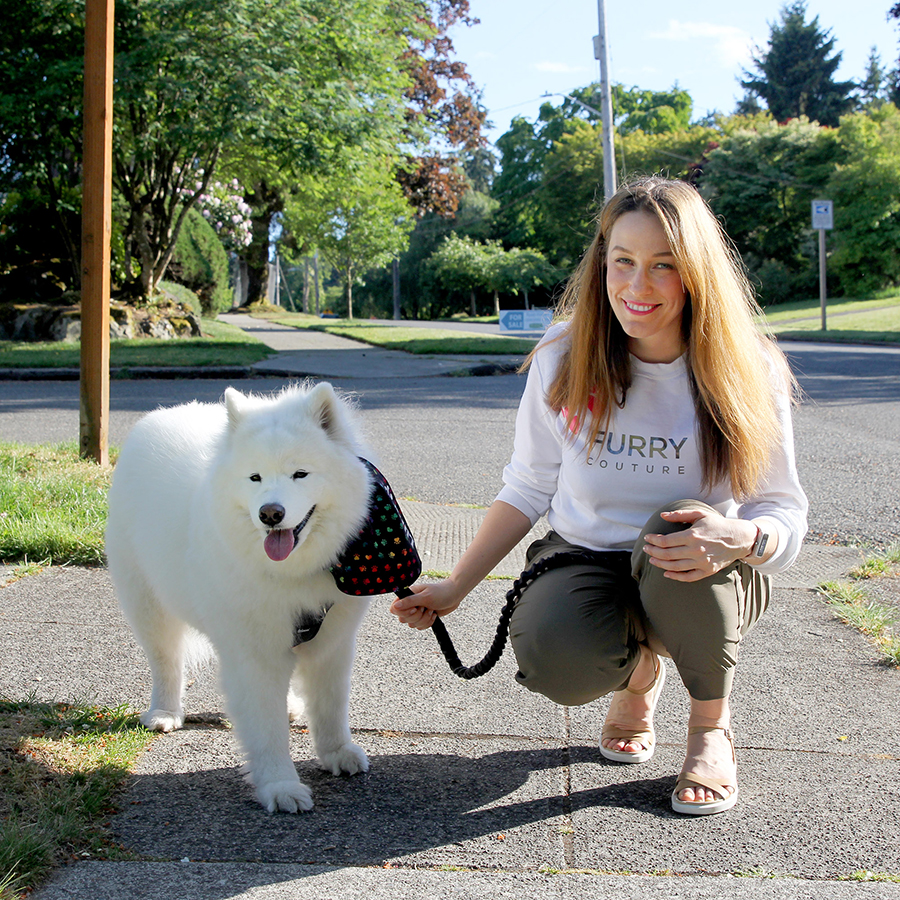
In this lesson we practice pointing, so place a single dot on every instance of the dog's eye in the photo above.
(255, 477)
(299, 474)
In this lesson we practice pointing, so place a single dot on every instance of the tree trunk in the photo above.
(349, 290)
(473, 310)
(496, 303)
(266, 201)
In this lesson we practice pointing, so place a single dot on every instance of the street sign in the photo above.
(823, 214)
(525, 319)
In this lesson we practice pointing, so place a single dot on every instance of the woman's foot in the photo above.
(628, 734)
(708, 781)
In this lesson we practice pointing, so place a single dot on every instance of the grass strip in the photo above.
(221, 345)
(62, 767)
(412, 339)
(53, 505)
(853, 604)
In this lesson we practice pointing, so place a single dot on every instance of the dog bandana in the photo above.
(381, 559)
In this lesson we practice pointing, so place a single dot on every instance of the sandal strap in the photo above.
(656, 670)
(692, 779)
(612, 732)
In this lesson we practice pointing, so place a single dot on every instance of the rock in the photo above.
(49, 322)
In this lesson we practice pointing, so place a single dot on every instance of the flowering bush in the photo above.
(223, 206)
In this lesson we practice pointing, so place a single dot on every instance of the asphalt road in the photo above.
(446, 440)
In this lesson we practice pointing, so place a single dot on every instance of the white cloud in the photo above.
(732, 46)
(558, 68)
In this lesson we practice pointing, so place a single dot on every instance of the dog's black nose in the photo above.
(271, 514)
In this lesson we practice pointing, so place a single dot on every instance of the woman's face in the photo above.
(645, 288)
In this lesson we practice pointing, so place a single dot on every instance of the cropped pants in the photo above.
(577, 629)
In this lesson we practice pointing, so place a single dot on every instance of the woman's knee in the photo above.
(573, 666)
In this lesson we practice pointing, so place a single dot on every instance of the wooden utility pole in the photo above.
(96, 226)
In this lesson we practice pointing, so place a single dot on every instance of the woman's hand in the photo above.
(711, 543)
(428, 601)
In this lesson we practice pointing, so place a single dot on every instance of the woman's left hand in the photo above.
(711, 543)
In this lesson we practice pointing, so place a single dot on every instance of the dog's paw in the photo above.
(295, 707)
(285, 796)
(350, 759)
(162, 720)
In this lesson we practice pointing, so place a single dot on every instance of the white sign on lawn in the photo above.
(525, 319)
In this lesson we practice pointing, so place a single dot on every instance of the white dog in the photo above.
(226, 519)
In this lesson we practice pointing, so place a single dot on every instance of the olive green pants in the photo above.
(576, 630)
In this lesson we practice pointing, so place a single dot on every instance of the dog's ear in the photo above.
(235, 404)
(327, 411)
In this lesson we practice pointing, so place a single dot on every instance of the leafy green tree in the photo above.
(518, 270)
(866, 193)
(290, 79)
(41, 85)
(297, 82)
(362, 223)
(761, 181)
(458, 266)
(795, 75)
(653, 112)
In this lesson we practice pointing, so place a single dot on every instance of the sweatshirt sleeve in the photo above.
(530, 479)
(782, 502)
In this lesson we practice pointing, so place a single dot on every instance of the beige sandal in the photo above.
(691, 780)
(647, 739)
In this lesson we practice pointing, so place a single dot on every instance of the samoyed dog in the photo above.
(224, 519)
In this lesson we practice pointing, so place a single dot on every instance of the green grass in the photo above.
(852, 603)
(409, 339)
(847, 321)
(221, 345)
(63, 768)
(52, 505)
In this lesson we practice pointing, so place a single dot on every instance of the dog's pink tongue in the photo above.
(279, 544)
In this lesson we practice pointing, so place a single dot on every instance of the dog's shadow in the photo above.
(409, 803)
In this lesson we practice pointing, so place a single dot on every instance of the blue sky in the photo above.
(524, 48)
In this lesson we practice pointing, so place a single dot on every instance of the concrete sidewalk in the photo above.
(481, 789)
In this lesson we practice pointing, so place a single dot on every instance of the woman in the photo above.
(655, 433)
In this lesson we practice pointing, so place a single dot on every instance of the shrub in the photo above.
(201, 264)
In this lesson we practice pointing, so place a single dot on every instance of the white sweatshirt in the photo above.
(649, 457)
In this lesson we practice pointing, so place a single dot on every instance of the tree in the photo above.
(41, 86)
(794, 76)
(874, 88)
(363, 223)
(761, 181)
(441, 101)
(866, 193)
(296, 80)
(653, 112)
(458, 266)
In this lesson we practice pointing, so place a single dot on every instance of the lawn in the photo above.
(221, 345)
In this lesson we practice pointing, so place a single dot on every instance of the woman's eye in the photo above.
(300, 474)
(255, 477)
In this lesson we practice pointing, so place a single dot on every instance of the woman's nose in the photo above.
(640, 282)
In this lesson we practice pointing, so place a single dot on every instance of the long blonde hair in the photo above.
(735, 371)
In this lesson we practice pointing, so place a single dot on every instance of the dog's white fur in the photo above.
(185, 546)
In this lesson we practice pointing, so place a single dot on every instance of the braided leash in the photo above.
(513, 595)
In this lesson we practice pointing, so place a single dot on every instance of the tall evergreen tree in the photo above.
(795, 75)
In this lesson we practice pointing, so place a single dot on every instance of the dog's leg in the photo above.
(255, 686)
(322, 676)
(162, 637)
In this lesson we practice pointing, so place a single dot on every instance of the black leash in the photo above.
(513, 595)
